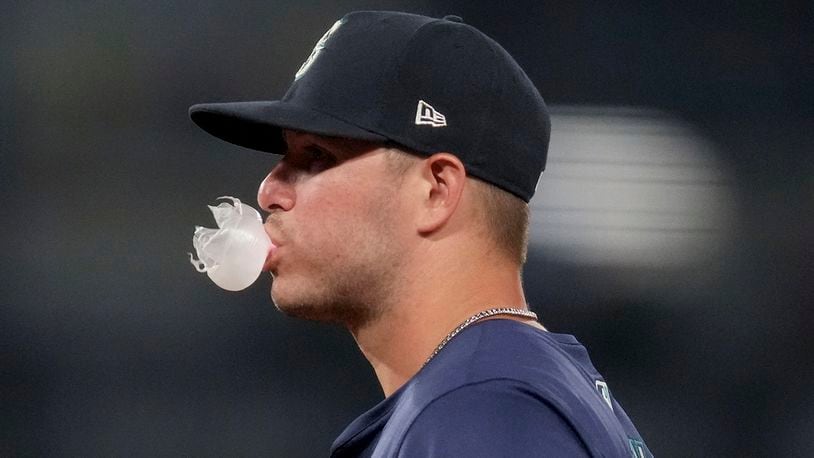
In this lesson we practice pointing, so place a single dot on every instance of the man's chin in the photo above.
(308, 312)
(326, 312)
(299, 307)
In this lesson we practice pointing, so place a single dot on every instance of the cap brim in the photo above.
(258, 125)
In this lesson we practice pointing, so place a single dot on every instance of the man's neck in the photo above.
(399, 342)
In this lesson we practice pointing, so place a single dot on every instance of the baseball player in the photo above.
(410, 149)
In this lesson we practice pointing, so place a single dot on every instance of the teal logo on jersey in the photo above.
(604, 391)
(638, 449)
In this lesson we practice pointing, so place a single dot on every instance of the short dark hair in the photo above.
(504, 215)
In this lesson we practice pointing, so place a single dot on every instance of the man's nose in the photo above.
(276, 191)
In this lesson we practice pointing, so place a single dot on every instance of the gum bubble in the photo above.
(232, 255)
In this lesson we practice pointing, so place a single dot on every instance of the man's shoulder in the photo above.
(509, 351)
(504, 374)
(494, 417)
(499, 387)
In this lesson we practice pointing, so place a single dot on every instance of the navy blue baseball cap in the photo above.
(430, 85)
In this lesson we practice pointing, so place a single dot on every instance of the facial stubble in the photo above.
(357, 287)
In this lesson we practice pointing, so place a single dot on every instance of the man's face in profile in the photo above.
(334, 213)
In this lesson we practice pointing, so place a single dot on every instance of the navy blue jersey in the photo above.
(499, 388)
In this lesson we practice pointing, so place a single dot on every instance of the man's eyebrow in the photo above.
(341, 147)
(337, 146)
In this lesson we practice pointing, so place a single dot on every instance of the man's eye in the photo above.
(315, 153)
(319, 158)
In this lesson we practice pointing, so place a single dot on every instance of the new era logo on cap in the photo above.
(425, 114)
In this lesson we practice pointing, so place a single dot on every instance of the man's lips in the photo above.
(269, 227)
(267, 266)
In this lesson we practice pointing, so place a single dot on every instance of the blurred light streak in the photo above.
(631, 187)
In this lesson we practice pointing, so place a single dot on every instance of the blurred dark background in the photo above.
(111, 344)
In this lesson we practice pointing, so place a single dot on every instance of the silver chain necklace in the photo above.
(477, 317)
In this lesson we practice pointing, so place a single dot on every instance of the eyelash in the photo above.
(319, 157)
(316, 152)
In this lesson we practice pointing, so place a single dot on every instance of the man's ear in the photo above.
(444, 177)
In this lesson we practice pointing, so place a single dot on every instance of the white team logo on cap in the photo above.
(425, 114)
(317, 49)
